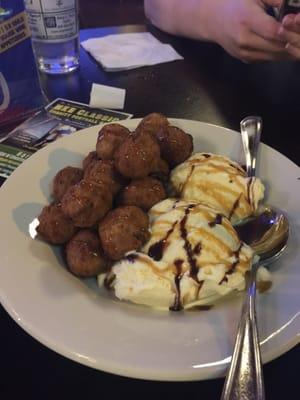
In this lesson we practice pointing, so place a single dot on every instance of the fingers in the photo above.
(254, 48)
(290, 31)
(265, 26)
(252, 56)
(287, 32)
(290, 37)
(254, 36)
(258, 40)
(293, 51)
(291, 22)
(261, 44)
(297, 19)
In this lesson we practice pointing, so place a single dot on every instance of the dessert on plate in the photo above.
(218, 181)
(193, 256)
(115, 221)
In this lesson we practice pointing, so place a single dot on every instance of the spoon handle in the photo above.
(251, 130)
(244, 379)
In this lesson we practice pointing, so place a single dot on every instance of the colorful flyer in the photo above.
(60, 118)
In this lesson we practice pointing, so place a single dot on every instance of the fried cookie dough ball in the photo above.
(161, 171)
(175, 145)
(90, 158)
(109, 139)
(123, 229)
(84, 254)
(64, 179)
(137, 156)
(54, 226)
(143, 193)
(86, 203)
(103, 172)
(152, 123)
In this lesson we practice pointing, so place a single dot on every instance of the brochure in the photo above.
(58, 119)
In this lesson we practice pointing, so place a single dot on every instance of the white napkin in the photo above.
(129, 50)
(103, 96)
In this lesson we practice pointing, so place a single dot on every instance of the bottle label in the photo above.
(52, 20)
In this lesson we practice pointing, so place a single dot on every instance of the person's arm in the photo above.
(190, 18)
(242, 28)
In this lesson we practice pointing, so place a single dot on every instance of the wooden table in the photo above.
(209, 86)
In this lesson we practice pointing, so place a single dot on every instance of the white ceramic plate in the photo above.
(79, 321)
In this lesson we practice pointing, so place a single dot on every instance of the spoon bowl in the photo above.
(266, 233)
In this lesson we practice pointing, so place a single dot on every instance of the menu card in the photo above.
(60, 118)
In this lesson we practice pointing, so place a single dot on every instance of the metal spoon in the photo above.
(267, 234)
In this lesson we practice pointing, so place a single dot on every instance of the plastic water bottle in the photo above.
(54, 30)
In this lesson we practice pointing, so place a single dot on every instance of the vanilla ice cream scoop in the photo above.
(219, 182)
(193, 257)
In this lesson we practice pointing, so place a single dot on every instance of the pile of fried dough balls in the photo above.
(99, 212)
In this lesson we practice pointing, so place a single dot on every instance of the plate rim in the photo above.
(206, 373)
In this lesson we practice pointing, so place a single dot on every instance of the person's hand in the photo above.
(290, 32)
(247, 32)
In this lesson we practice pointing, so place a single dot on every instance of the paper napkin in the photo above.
(129, 50)
(103, 96)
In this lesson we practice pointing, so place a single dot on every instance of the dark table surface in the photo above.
(209, 86)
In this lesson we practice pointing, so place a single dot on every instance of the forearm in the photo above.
(190, 18)
(242, 28)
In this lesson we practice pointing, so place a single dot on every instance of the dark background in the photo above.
(209, 86)
(110, 13)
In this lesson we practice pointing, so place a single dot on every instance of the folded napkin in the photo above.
(103, 96)
(129, 50)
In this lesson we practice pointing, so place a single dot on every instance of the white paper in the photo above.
(107, 97)
(129, 50)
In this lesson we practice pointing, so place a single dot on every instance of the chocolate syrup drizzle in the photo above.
(132, 257)
(177, 306)
(109, 280)
(187, 179)
(235, 167)
(187, 245)
(216, 221)
(235, 206)
(236, 203)
(156, 251)
(232, 268)
(198, 248)
(175, 204)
